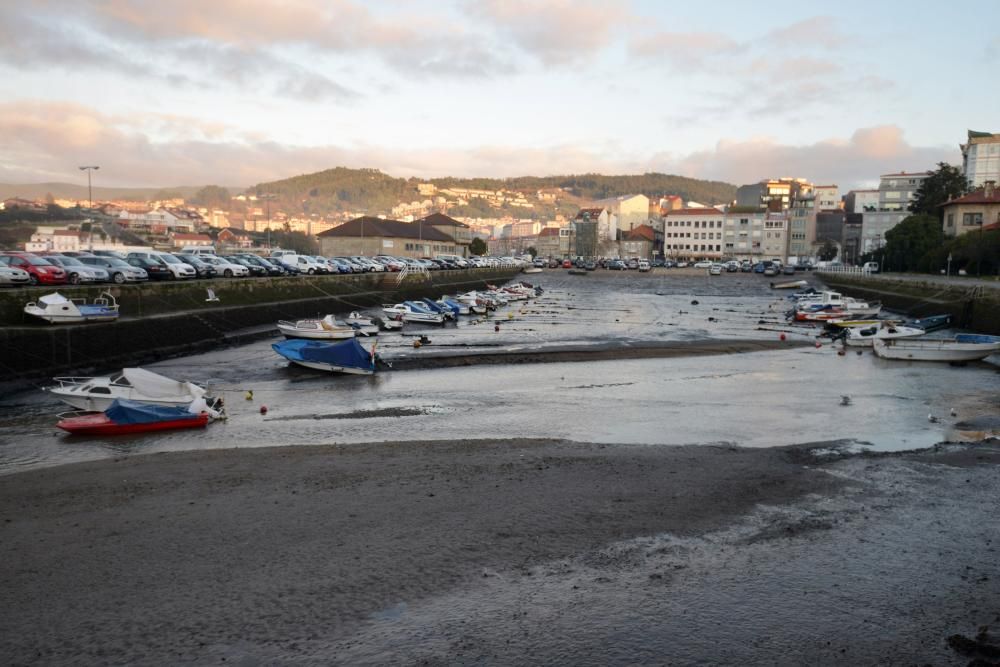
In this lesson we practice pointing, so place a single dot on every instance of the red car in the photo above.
(40, 270)
(567, 264)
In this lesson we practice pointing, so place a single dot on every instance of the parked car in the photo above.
(703, 264)
(154, 267)
(77, 272)
(682, 265)
(270, 268)
(715, 270)
(108, 253)
(119, 270)
(644, 266)
(255, 270)
(224, 267)
(789, 270)
(40, 271)
(632, 264)
(617, 265)
(371, 264)
(746, 266)
(12, 276)
(771, 271)
(590, 265)
(201, 267)
(175, 267)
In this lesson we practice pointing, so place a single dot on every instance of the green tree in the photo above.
(533, 251)
(828, 251)
(946, 183)
(912, 244)
(478, 246)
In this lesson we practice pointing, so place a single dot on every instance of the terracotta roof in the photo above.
(369, 226)
(903, 173)
(69, 232)
(977, 197)
(441, 219)
(549, 231)
(990, 227)
(642, 233)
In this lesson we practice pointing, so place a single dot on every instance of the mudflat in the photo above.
(503, 551)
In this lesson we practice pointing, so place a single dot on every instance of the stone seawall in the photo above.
(166, 319)
(974, 306)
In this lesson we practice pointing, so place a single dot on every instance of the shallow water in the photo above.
(757, 399)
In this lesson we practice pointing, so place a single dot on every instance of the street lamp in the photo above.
(267, 203)
(90, 200)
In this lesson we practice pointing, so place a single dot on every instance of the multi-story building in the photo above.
(827, 197)
(607, 224)
(861, 201)
(693, 233)
(762, 194)
(895, 192)
(585, 238)
(547, 243)
(742, 235)
(639, 243)
(801, 228)
(774, 242)
(981, 158)
(829, 227)
(445, 224)
(627, 212)
(973, 212)
(375, 236)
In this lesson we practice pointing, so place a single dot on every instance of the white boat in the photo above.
(963, 347)
(323, 329)
(365, 326)
(409, 314)
(57, 309)
(863, 336)
(476, 304)
(531, 269)
(96, 394)
(790, 285)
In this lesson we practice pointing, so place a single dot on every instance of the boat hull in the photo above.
(319, 366)
(933, 350)
(101, 403)
(99, 424)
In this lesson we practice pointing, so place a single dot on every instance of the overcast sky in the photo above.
(174, 92)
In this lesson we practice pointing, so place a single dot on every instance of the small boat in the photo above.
(963, 347)
(790, 285)
(457, 307)
(132, 384)
(853, 324)
(577, 272)
(347, 356)
(475, 303)
(326, 328)
(411, 314)
(863, 336)
(531, 269)
(56, 309)
(931, 322)
(365, 326)
(124, 416)
(436, 307)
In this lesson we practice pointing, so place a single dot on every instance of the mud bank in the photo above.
(499, 551)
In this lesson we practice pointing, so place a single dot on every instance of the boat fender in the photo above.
(249, 395)
(417, 343)
(780, 337)
(496, 327)
(263, 409)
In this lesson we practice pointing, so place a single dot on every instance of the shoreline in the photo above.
(330, 553)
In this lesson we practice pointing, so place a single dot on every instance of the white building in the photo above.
(895, 192)
(827, 197)
(626, 211)
(693, 233)
(981, 158)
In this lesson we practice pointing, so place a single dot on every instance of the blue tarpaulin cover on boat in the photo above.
(131, 412)
(349, 353)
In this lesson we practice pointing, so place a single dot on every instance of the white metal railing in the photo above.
(855, 270)
(410, 270)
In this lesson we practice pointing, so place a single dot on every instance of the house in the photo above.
(371, 236)
(976, 211)
(445, 224)
(639, 243)
(606, 223)
(234, 238)
(181, 240)
(895, 192)
(547, 243)
(626, 211)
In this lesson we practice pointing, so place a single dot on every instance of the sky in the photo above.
(236, 92)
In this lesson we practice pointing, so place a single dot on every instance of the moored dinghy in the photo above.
(411, 314)
(863, 336)
(348, 356)
(123, 417)
(326, 328)
(963, 347)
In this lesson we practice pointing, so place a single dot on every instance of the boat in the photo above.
(931, 322)
(410, 314)
(531, 269)
(326, 328)
(365, 326)
(853, 324)
(790, 285)
(577, 272)
(56, 309)
(347, 356)
(124, 417)
(863, 336)
(457, 307)
(961, 348)
(435, 307)
(133, 384)
(475, 303)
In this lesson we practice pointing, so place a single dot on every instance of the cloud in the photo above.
(556, 32)
(687, 49)
(817, 31)
(45, 141)
(850, 162)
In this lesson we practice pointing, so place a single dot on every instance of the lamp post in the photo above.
(90, 199)
(267, 197)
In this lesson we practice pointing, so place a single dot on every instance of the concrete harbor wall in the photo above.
(165, 319)
(973, 305)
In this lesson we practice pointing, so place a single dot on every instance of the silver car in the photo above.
(10, 275)
(119, 270)
(77, 272)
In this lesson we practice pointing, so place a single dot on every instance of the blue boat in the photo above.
(348, 356)
(931, 322)
(438, 307)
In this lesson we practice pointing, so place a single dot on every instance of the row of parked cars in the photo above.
(98, 266)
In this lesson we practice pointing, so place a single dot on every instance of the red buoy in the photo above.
(781, 337)
(263, 409)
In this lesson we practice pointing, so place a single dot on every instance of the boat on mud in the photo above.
(409, 313)
(931, 322)
(131, 384)
(56, 309)
(347, 356)
(863, 336)
(124, 417)
(961, 348)
(326, 328)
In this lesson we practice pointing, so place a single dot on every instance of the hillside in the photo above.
(373, 192)
(38, 191)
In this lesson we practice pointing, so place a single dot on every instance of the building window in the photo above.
(951, 219)
(972, 219)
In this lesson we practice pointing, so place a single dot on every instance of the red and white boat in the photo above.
(124, 417)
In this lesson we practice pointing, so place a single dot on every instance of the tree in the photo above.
(211, 196)
(478, 246)
(533, 251)
(942, 185)
(828, 251)
(912, 244)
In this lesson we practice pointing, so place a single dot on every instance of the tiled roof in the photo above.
(695, 211)
(549, 231)
(441, 220)
(977, 197)
(642, 233)
(369, 226)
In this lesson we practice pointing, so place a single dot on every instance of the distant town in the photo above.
(790, 219)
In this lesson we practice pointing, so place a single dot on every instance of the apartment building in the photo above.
(895, 192)
(981, 158)
(693, 233)
(773, 192)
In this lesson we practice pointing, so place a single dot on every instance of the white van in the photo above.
(198, 250)
(870, 267)
(301, 263)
